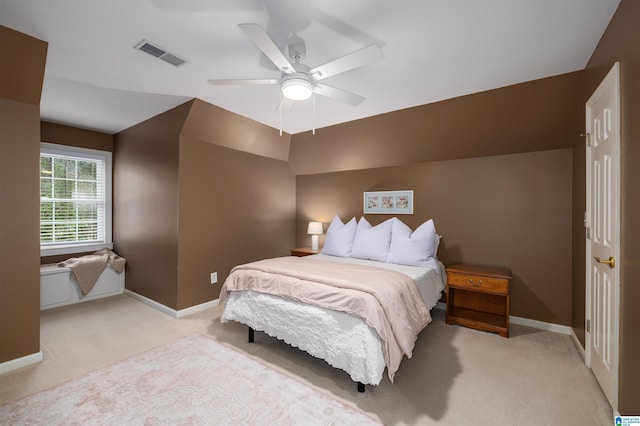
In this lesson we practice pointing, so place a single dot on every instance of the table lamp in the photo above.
(314, 229)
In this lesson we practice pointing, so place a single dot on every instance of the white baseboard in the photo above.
(14, 364)
(197, 308)
(170, 311)
(579, 347)
(540, 325)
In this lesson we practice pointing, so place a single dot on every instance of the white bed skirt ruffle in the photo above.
(344, 341)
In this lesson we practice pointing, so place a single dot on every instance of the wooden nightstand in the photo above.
(478, 297)
(303, 251)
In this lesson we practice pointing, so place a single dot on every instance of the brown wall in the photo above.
(21, 78)
(510, 210)
(236, 198)
(20, 86)
(192, 197)
(619, 43)
(145, 198)
(215, 125)
(491, 207)
(534, 116)
(235, 207)
(72, 136)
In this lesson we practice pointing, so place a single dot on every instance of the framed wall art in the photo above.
(388, 202)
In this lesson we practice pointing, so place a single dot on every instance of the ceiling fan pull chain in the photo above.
(280, 111)
(313, 118)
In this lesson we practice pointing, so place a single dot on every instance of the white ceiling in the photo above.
(434, 50)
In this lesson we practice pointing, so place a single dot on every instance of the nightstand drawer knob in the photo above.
(477, 284)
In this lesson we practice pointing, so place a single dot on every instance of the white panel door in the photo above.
(603, 201)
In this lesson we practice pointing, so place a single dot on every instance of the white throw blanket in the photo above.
(388, 301)
(87, 269)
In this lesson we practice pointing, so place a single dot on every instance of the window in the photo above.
(75, 199)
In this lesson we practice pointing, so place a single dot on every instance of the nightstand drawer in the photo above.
(478, 282)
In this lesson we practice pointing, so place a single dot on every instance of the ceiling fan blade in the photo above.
(285, 104)
(244, 81)
(261, 39)
(359, 58)
(337, 94)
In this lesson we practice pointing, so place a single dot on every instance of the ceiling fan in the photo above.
(298, 81)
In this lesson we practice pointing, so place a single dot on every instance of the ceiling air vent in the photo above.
(160, 53)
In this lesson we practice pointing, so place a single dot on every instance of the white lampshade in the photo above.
(296, 89)
(315, 228)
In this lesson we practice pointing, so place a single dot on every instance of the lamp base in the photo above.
(314, 242)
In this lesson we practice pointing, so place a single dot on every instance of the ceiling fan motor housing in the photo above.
(297, 48)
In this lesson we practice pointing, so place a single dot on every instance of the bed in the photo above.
(360, 315)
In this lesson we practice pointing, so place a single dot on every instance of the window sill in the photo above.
(76, 248)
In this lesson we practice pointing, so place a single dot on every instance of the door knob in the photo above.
(611, 262)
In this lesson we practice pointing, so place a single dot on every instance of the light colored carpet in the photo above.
(191, 381)
(456, 376)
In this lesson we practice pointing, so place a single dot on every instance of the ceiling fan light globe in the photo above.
(297, 89)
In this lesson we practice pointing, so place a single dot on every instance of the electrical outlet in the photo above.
(214, 277)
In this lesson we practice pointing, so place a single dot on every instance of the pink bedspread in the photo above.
(388, 301)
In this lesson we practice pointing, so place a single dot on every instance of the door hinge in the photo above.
(588, 233)
(587, 137)
(588, 326)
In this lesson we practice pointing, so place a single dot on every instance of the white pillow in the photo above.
(339, 239)
(372, 242)
(414, 249)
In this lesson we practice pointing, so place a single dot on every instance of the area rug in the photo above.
(192, 381)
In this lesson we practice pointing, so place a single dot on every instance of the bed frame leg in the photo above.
(250, 335)
(360, 387)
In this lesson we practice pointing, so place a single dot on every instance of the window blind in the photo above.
(72, 199)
